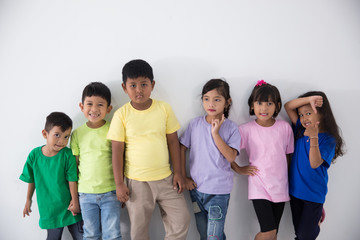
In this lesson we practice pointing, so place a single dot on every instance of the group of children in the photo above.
(126, 162)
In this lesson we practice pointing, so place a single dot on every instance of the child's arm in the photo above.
(291, 106)
(74, 207)
(30, 193)
(189, 183)
(174, 149)
(246, 170)
(122, 192)
(314, 152)
(228, 152)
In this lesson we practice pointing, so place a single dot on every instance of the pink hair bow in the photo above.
(260, 82)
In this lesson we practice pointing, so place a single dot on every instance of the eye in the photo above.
(89, 104)
(301, 115)
(270, 104)
(218, 100)
(100, 105)
(57, 135)
(205, 99)
(144, 85)
(133, 86)
(66, 137)
(258, 102)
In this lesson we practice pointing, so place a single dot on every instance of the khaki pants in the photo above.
(173, 208)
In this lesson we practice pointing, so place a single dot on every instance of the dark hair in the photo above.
(58, 119)
(137, 68)
(223, 88)
(327, 122)
(97, 89)
(265, 93)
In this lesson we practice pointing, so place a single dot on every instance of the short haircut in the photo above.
(265, 93)
(97, 89)
(137, 68)
(59, 119)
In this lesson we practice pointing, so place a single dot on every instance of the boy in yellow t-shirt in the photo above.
(99, 206)
(146, 130)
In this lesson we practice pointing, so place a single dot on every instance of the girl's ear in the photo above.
(228, 102)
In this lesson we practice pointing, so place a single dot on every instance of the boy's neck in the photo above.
(96, 125)
(46, 151)
(142, 106)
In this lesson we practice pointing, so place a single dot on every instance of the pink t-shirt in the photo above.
(267, 148)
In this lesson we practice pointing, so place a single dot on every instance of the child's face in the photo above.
(307, 116)
(56, 139)
(95, 109)
(214, 103)
(264, 112)
(139, 91)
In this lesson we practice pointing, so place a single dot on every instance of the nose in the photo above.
(138, 88)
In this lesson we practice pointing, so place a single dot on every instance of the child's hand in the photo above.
(178, 182)
(248, 170)
(312, 130)
(316, 101)
(74, 207)
(216, 124)
(122, 193)
(189, 184)
(27, 208)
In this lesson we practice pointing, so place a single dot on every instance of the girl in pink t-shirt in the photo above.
(268, 142)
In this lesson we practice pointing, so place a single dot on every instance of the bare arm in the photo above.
(174, 149)
(246, 170)
(291, 106)
(314, 152)
(189, 183)
(74, 206)
(29, 194)
(228, 152)
(122, 192)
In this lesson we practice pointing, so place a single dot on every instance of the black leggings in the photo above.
(268, 214)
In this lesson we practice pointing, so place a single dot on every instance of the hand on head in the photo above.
(316, 101)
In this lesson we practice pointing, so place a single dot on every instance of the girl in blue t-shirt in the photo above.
(317, 144)
(214, 143)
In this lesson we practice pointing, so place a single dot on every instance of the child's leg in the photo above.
(110, 216)
(201, 215)
(54, 234)
(307, 221)
(269, 215)
(173, 208)
(140, 207)
(76, 230)
(90, 212)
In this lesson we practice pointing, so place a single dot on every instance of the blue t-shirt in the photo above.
(305, 182)
(208, 167)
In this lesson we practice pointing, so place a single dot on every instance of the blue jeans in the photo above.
(75, 230)
(210, 212)
(101, 215)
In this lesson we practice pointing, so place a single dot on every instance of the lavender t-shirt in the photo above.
(267, 148)
(208, 167)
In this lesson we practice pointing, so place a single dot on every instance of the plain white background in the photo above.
(49, 51)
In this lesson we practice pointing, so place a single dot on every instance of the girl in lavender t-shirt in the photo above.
(267, 142)
(214, 143)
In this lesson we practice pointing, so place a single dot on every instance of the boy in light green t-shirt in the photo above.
(99, 206)
(51, 170)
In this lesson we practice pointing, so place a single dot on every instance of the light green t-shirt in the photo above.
(144, 133)
(95, 165)
(51, 176)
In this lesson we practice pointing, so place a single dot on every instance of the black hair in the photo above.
(223, 88)
(265, 93)
(97, 89)
(59, 119)
(327, 122)
(137, 68)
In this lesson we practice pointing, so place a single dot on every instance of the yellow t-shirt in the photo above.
(144, 133)
(95, 165)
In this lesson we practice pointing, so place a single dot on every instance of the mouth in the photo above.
(211, 110)
(264, 114)
(93, 115)
(306, 124)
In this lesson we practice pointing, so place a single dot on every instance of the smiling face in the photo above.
(139, 91)
(95, 109)
(214, 104)
(56, 140)
(307, 116)
(264, 112)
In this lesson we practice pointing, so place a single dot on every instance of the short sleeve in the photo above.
(117, 127)
(290, 139)
(172, 124)
(234, 140)
(185, 138)
(327, 150)
(74, 144)
(71, 170)
(243, 137)
(28, 173)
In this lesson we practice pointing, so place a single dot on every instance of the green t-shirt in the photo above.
(51, 176)
(95, 165)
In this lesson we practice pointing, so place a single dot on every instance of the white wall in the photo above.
(49, 50)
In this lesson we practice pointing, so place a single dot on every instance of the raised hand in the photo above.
(316, 101)
(216, 124)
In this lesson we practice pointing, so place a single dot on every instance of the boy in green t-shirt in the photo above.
(99, 206)
(51, 170)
